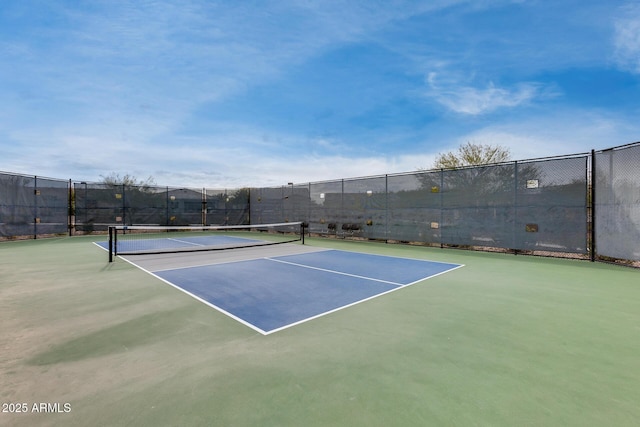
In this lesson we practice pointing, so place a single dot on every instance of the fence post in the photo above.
(70, 210)
(124, 205)
(203, 217)
(35, 207)
(441, 225)
(342, 215)
(592, 194)
(386, 208)
(515, 210)
(309, 206)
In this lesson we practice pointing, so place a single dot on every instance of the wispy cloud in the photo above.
(627, 38)
(465, 99)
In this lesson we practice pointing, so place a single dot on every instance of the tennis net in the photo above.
(139, 240)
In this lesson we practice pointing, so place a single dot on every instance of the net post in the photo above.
(110, 244)
(303, 225)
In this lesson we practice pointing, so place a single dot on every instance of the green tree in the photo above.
(471, 154)
(128, 180)
(480, 169)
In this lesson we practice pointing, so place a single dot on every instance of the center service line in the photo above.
(333, 271)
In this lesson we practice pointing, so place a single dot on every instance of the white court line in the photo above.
(202, 300)
(231, 261)
(265, 333)
(334, 271)
(200, 237)
(184, 241)
(355, 302)
(342, 307)
(457, 266)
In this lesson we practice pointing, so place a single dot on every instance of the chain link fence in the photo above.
(98, 205)
(535, 206)
(32, 206)
(584, 205)
(617, 203)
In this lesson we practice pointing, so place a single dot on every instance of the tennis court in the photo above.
(331, 332)
(282, 286)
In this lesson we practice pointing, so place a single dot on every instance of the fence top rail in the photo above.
(24, 175)
(619, 147)
(198, 190)
(422, 171)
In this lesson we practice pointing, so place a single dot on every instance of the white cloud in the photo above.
(117, 89)
(246, 159)
(561, 133)
(471, 100)
(627, 39)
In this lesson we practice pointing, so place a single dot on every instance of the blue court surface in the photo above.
(271, 293)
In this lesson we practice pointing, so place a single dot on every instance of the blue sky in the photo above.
(224, 94)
